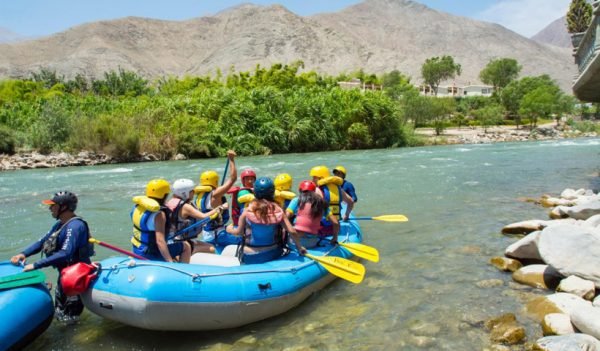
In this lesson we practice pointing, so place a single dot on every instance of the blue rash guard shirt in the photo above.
(349, 189)
(73, 236)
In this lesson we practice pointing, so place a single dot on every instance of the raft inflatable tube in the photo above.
(214, 292)
(26, 311)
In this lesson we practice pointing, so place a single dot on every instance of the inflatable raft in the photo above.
(214, 291)
(26, 308)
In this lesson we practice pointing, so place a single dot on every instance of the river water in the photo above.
(423, 294)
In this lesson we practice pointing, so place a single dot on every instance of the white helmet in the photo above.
(182, 188)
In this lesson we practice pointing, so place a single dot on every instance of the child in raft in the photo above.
(309, 209)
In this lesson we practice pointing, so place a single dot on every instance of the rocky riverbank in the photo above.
(34, 160)
(562, 257)
(479, 135)
(465, 135)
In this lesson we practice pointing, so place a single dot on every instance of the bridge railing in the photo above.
(589, 46)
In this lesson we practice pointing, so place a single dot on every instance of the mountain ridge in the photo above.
(375, 35)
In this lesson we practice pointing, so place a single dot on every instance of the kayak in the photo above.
(26, 307)
(214, 291)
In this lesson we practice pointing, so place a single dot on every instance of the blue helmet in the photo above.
(264, 188)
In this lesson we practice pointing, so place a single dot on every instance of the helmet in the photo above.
(63, 198)
(283, 182)
(340, 169)
(210, 178)
(264, 188)
(320, 172)
(182, 188)
(247, 173)
(307, 185)
(158, 188)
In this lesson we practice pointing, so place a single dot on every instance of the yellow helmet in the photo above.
(340, 169)
(320, 172)
(210, 178)
(283, 181)
(158, 188)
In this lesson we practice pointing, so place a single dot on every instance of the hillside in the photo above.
(376, 35)
(555, 34)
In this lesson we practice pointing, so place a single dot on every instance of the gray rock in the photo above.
(571, 342)
(587, 320)
(525, 248)
(571, 250)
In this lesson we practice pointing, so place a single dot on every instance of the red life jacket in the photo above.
(236, 209)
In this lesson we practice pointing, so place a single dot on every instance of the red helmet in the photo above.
(247, 173)
(77, 278)
(307, 185)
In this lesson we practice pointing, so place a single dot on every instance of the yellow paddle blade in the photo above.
(391, 218)
(363, 251)
(340, 267)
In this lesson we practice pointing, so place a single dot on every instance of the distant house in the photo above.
(358, 84)
(457, 91)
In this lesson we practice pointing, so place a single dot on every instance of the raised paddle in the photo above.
(361, 250)
(117, 249)
(225, 171)
(22, 279)
(385, 218)
(340, 267)
(187, 229)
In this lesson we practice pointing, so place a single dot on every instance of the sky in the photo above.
(34, 18)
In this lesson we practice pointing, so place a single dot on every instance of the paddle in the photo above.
(22, 279)
(225, 171)
(361, 250)
(188, 228)
(385, 218)
(340, 267)
(114, 248)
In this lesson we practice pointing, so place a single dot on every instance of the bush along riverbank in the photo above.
(562, 257)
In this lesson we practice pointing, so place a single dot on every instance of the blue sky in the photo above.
(43, 17)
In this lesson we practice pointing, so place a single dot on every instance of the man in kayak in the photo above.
(65, 244)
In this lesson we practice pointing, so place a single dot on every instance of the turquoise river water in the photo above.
(421, 295)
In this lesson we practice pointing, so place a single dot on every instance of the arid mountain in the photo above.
(376, 35)
(7, 36)
(555, 34)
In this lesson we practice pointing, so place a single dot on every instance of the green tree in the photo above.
(48, 77)
(579, 16)
(489, 115)
(499, 73)
(395, 84)
(539, 103)
(416, 108)
(441, 110)
(438, 69)
(512, 95)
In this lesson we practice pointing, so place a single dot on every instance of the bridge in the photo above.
(586, 85)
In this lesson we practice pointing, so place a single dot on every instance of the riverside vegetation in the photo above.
(268, 110)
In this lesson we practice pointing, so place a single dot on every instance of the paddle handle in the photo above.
(225, 171)
(117, 249)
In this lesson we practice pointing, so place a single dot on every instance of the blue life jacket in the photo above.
(144, 232)
(204, 208)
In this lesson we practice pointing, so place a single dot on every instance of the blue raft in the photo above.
(25, 311)
(209, 295)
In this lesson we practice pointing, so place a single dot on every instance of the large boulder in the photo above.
(571, 342)
(577, 286)
(538, 276)
(583, 210)
(587, 320)
(571, 250)
(525, 248)
(557, 324)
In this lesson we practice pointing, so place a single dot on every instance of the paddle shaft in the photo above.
(225, 171)
(117, 249)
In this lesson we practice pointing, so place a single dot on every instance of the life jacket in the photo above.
(261, 234)
(144, 232)
(332, 193)
(236, 207)
(177, 223)
(283, 198)
(50, 245)
(203, 204)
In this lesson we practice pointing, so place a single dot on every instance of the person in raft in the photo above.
(240, 196)
(184, 214)
(261, 224)
(309, 209)
(66, 244)
(283, 185)
(151, 228)
(340, 171)
(330, 187)
(211, 196)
